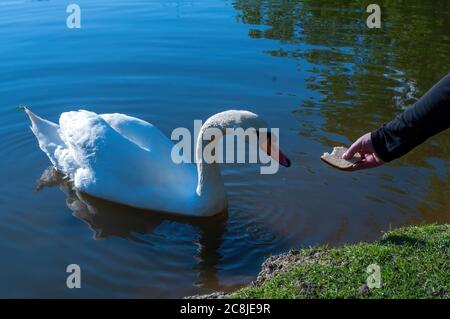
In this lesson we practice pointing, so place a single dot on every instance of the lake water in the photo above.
(311, 68)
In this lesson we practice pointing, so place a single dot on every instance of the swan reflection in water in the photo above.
(106, 219)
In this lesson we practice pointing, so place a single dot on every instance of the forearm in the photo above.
(427, 117)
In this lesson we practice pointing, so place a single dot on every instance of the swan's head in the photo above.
(252, 124)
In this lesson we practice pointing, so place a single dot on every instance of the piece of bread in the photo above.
(335, 158)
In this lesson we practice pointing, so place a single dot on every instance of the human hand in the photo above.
(369, 158)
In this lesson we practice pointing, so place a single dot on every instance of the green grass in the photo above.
(414, 263)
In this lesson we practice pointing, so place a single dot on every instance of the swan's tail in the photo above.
(47, 134)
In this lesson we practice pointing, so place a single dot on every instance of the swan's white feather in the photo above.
(50, 142)
(118, 158)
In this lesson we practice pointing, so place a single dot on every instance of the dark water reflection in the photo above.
(107, 219)
(310, 68)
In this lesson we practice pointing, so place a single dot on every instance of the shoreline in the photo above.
(412, 262)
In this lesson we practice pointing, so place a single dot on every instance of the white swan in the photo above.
(127, 160)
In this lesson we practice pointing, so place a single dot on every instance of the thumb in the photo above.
(352, 149)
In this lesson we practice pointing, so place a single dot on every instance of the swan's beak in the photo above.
(273, 151)
(283, 160)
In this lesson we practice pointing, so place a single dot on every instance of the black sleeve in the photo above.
(427, 117)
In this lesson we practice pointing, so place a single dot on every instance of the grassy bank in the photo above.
(413, 261)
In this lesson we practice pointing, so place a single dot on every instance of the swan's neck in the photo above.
(210, 184)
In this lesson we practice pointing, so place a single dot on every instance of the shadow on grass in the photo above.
(403, 240)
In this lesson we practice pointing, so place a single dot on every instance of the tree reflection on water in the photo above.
(361, 77)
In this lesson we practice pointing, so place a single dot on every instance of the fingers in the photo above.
(377, 159)
(353, 149)
(370, 161)
(362, 145)
(362, 164)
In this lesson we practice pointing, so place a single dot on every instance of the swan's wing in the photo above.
(138, 131)
(98, 150)
(181, 176)
(50, 142)
(115, 167)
